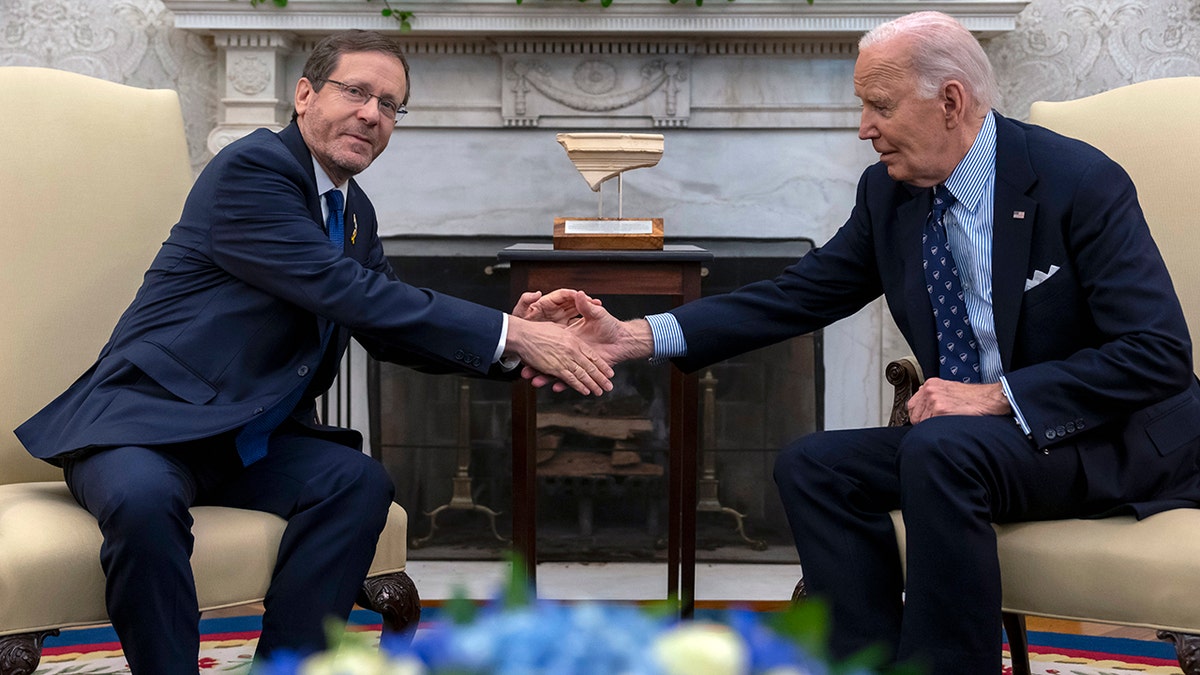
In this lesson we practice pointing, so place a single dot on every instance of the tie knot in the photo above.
(942, 199)
(334, 200)
(334, 223)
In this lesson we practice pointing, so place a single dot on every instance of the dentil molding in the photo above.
(556, 17)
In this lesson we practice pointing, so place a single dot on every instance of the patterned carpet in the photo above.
(228, 645)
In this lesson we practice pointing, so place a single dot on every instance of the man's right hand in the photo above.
(559, 354)
(613, 340)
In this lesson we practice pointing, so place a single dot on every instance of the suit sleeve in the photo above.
(825, 285)
(263, 233)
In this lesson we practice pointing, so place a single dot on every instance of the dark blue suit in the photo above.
(233, 308)
(1097, 356)
(229, 320)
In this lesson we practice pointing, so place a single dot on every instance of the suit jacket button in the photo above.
(1079, 423)
(458, 355)
(259, 411)
(1062, 431)
(1050, 434)
(302, 371)
(1070, 427)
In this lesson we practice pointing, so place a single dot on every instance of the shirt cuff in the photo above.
(498, 357)
(669, 342)
(1012, 402)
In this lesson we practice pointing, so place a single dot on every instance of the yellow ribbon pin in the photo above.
(354, 232)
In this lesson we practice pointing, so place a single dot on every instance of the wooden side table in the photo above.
(673, 272)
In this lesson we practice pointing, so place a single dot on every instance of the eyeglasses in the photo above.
(356, 95)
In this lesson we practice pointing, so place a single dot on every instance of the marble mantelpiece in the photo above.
(754, 99)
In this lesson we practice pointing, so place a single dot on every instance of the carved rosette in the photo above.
(395, 597)
(249, 75)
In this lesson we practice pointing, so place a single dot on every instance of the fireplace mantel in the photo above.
(636, 64)
(491, 18)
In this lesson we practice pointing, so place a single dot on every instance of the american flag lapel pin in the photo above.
(1019, 215)
(354, 231)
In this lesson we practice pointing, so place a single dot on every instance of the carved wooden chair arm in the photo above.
(905, 376)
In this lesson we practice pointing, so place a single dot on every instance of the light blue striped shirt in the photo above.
(969, 231)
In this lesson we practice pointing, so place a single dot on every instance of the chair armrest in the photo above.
(905, 376)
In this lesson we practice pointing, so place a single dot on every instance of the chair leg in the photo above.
(1187, 650)
(1018, 644)
(395, 597)
(21, 653)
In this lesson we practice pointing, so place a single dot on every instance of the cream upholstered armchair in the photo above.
(1117, 570)
(92, 176)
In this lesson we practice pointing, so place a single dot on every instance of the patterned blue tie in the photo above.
(252, 440)
(958, 355)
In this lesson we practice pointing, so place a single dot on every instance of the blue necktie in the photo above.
(335, 224)
(958, 355)
(252, 440)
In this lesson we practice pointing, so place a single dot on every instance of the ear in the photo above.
(304, 95)
(954, 103)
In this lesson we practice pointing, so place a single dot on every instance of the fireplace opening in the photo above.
(446, 440)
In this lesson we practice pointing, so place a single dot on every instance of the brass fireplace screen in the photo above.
(445, 440)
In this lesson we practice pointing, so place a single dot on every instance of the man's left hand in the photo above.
(557, 306)
(942, 397)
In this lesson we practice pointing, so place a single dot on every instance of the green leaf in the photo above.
(459, 607)
(804, 623)
(662, 609)
(517, 591)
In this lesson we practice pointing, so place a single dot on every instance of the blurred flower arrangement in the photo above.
(516, 635)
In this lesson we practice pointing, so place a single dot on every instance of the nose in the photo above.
(369, 111)
(866, 127)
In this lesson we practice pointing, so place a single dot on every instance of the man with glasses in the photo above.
(205, 391)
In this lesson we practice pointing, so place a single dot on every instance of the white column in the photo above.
(253, 83)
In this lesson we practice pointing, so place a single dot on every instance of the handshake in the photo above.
(568, 340)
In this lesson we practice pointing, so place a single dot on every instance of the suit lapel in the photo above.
(1012, 234)
(294, 142)
(360, 226)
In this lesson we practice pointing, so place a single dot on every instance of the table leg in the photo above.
(524, 481)
(681, 537)
(675, 492)
(689, 397)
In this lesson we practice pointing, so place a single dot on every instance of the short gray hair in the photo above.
(942, 49)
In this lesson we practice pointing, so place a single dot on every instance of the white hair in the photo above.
(942, 50)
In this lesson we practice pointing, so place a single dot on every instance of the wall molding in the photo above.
(630, 17)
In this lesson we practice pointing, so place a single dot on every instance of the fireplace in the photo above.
(446, 440)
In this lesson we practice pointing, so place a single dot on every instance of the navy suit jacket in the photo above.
(230, 315)
(1097, 353)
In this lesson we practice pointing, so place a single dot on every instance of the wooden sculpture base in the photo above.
(619, 234)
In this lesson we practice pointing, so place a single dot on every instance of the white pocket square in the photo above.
(1040, 276)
